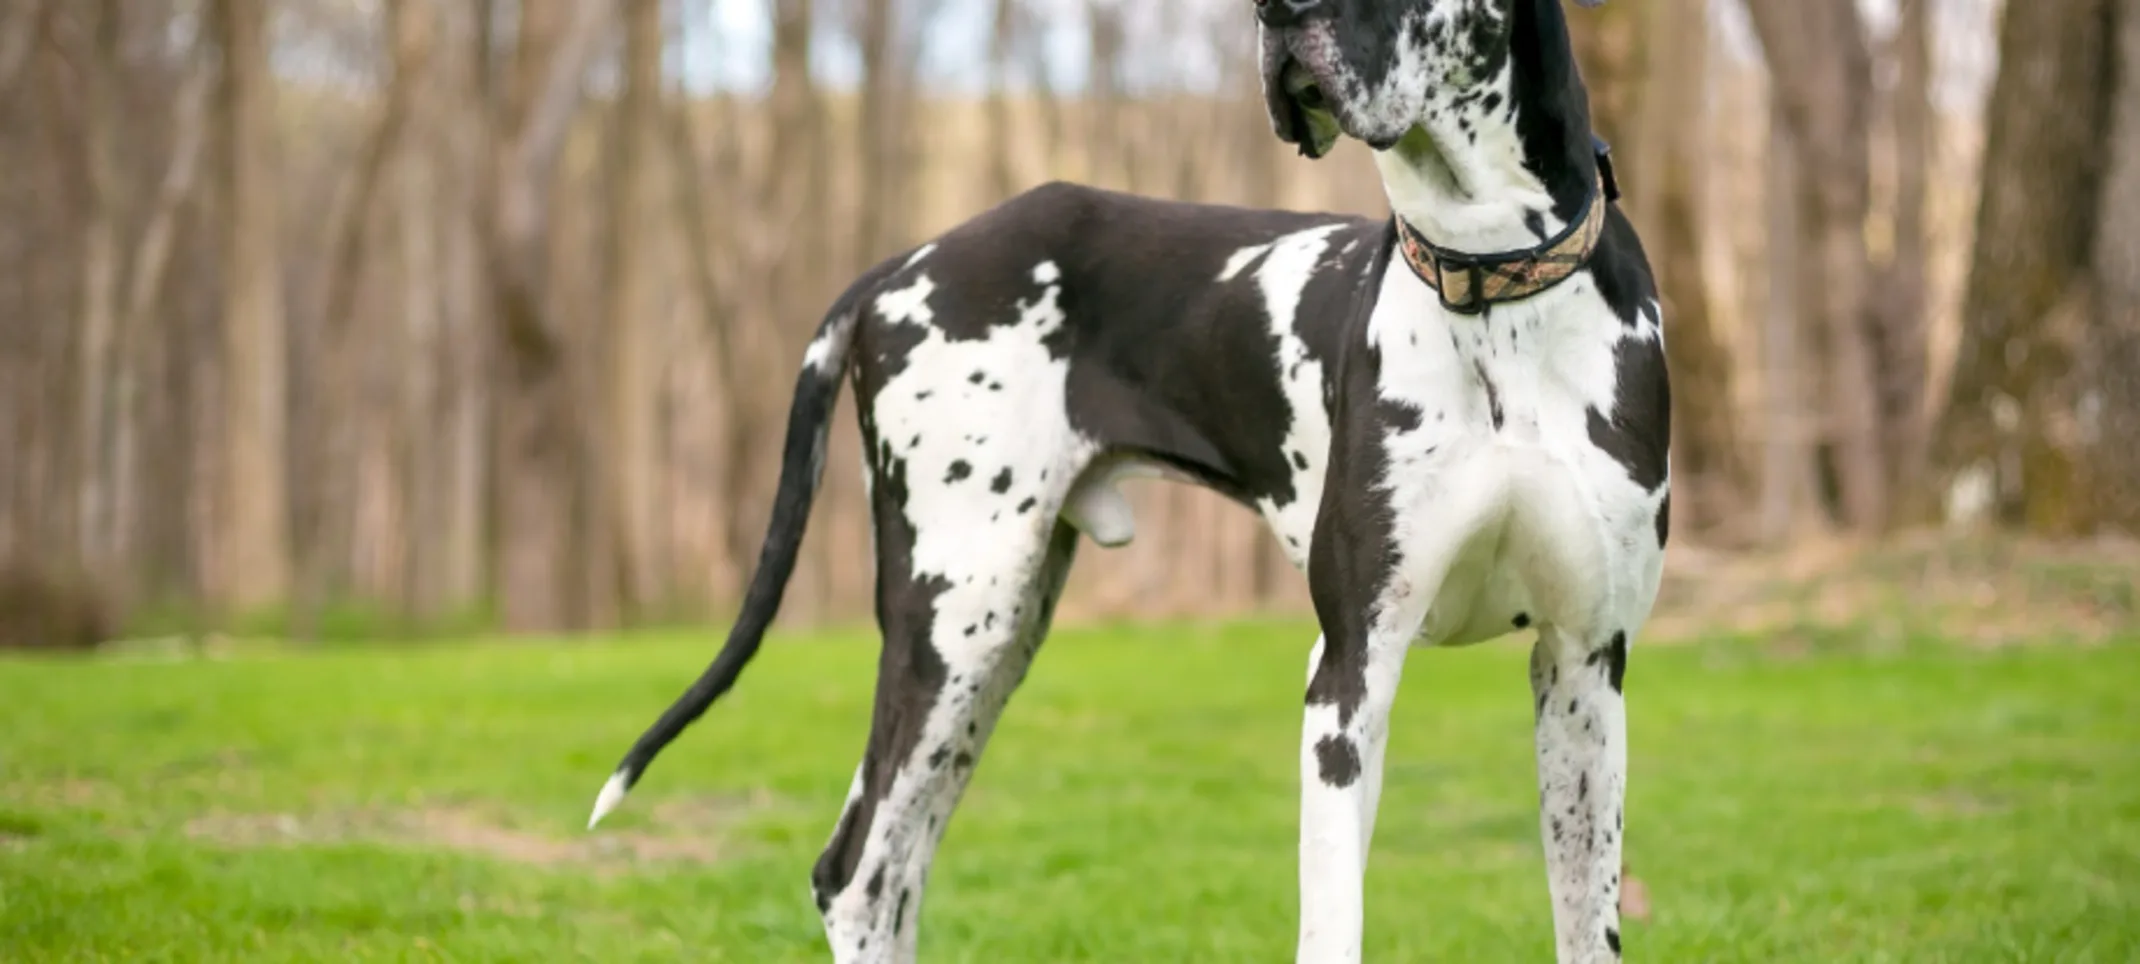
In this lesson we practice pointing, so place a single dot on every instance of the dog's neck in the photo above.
(1505, 163)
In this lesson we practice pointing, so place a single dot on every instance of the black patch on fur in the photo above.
(1612, 939)
(1622, 271)
(1523, 620)
(1397, 415)
(911, 674)
(1186, 374)
(876, 885)
(1026, 506)
(1352, 551)
(1001, 483)
(1638, 435)
(1551, 106)
(1613, 657)
(1493, 394)
(1535, 222)
(1338, 758)
(1664, 519)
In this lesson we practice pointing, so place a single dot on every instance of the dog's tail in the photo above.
(802, 465)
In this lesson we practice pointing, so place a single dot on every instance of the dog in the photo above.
(1455, 420)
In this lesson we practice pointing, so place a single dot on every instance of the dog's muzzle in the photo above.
(1290, 92)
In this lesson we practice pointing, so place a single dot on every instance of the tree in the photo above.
(102, 68)
(1901, 288)
(423, 477)
(253, 566)
(2111, 367)
(635, 274)
(543, 456)
(1789, 496)
(332, 450)
(1821, 64)
(2010, 413)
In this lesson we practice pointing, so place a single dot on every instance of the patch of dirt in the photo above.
(1956, 803)
(692, 831)
(1976, 589)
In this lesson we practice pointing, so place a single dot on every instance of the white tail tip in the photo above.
(612, 794)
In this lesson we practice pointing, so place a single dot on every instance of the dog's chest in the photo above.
(1497, 489)
(1520, 378)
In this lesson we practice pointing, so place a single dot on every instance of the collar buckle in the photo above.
(1468, 272)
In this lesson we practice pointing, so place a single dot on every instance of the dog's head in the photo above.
(1372, 68)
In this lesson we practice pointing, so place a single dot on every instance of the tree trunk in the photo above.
(1610, 50)
(140, 327)
(1002, 139)
(2008, 418)
(2111, 369)
(1901, 292)
(332, 451)
(542, 457)
(1789, 503)
(100, 280)
(1108, 139)
(462, 154)
(253, 537)
(883, 155)
(423, 496)
(636, 251)
(1821, 67)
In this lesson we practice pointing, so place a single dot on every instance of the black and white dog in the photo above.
(1468, 443)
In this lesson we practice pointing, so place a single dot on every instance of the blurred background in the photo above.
(370, 317)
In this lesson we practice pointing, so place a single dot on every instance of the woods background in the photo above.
(410, 314)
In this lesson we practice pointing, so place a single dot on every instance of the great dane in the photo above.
(1471, 443)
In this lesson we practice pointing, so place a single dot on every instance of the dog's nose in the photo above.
(1284, 13)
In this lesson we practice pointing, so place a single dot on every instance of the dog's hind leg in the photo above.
(972, 458)
(954, 650)
(1582, 779)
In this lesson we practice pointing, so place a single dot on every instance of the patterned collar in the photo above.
(1470, 283)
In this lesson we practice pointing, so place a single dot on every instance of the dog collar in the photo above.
(1470, 283)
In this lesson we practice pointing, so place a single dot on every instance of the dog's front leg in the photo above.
(1353, 682)
(1369, 617)
(1582, 781)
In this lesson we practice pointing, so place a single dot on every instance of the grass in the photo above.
(1930, 803)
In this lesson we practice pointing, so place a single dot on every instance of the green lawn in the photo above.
(1138, 805)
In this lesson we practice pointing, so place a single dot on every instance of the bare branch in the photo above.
(542, 128)
(152, 254)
